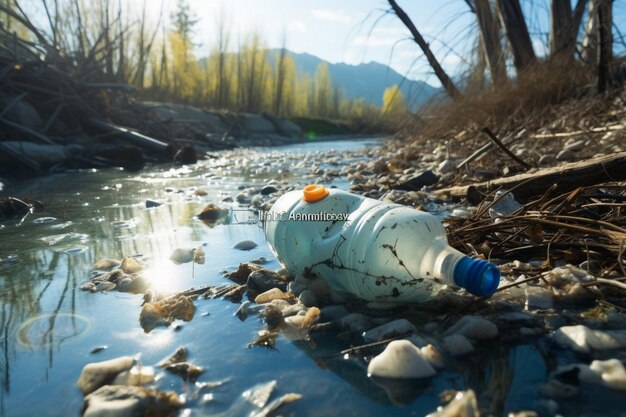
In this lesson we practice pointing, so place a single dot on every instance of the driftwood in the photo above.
(135, 138)
(566, 177)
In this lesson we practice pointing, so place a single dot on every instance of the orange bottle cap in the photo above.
(315, 192)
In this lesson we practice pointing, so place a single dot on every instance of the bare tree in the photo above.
(419, 39)
(564, 25)
(512, 20)
(605, 48)
(279, 83)
(490, 39)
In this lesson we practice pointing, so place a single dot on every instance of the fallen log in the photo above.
(535, 182)
(142, 141)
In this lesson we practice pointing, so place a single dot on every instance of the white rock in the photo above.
(96, 374)
(611, 372)
(433, 356)
(474, 327)
(457, 345)
(137, 375)
(393, 328)
(464, 404)
(583, 339)
(400, 359)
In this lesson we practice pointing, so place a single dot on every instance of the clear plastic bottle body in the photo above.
(382, 252)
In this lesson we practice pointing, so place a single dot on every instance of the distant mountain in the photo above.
(366, 81)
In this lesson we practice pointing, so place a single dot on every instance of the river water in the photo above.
(50, 327)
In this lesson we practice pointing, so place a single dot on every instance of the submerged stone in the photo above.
(457, 345)
(474, 327)
(393, 328)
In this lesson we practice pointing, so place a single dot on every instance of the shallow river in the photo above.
(50, 327)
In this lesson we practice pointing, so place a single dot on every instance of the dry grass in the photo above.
(509, 105)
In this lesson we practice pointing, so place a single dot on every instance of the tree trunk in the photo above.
(512, 19)
(560, 25)
(490, 36)
(605, 49)
(564, 25)
(439, 71)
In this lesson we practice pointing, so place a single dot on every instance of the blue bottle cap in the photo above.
(477, 276)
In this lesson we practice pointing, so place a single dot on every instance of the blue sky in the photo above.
(342, 31)
(355, 31)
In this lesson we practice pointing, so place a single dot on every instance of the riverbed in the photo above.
(51, 329)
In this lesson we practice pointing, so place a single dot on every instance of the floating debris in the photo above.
(179, 356)
(266, 339)
(186, 370)
(164, 312)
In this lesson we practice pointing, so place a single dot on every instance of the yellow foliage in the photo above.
(393, 101)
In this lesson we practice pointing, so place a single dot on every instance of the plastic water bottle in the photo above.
(370, 249)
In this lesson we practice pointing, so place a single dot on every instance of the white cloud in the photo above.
(374, 41)
(452, 60)
(332, 15)
(297, 26)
